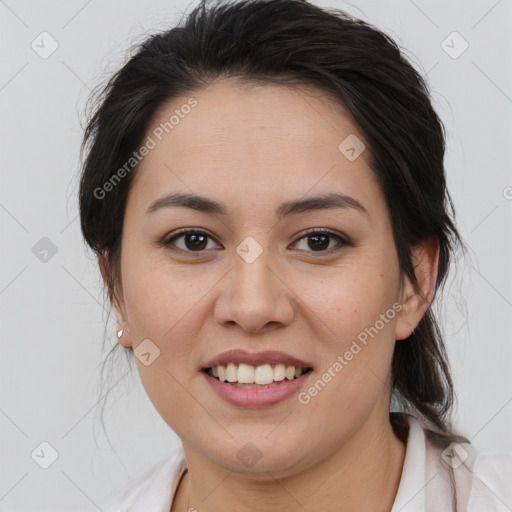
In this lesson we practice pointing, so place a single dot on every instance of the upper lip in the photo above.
(256, 359)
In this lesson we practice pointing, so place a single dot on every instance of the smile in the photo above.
(246, 375)
(253, 394)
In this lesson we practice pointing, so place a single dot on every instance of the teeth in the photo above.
(231, 372)
(247, 374)
(290, 372)
(279, 372)
(263, 374)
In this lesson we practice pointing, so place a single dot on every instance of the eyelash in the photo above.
(169, 242)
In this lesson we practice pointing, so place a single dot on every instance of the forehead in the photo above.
(254, 144)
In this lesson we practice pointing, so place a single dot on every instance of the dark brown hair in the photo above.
(294, 42)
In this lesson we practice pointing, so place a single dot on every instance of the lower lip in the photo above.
(256, 397)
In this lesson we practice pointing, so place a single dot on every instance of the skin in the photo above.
(252, 148)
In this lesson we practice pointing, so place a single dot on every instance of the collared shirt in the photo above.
(456, 479)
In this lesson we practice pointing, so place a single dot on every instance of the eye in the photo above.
(321, 238)
(196, 240)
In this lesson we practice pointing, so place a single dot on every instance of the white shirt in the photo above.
(482, 482)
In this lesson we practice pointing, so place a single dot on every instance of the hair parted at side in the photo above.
(293, 42)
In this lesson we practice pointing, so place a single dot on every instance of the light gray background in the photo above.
(52, 317)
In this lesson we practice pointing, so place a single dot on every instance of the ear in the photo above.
(415, 302)
(125, 339)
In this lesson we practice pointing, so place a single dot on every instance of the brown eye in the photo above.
(319, 240)
(194, 240)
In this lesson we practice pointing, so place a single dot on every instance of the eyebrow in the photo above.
(209, 206)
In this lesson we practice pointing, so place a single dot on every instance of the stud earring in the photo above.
(120, 333)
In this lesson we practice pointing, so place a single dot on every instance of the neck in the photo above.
(364, 474)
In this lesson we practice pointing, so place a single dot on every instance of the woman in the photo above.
(264, 189)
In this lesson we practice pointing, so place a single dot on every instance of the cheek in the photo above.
(163, 305)
(349, 300)
(160, 301)
(356, 314)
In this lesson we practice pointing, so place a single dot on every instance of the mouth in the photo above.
(255, 379)
(267, 375)
(247, 386)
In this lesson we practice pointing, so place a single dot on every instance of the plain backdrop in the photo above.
(52, 311)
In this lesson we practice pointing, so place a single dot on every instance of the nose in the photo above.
(255, 296)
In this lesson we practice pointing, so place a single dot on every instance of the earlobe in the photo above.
(122, 334)
(403, 327)
(415, 302)
(124, 338)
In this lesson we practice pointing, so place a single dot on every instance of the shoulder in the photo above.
(152, 490)
(491, 488)
(457, 477)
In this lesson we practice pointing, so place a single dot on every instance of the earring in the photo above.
(120, 333)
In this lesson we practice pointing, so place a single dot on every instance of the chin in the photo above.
(259, 454)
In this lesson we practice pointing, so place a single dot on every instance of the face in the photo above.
(247, 278)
